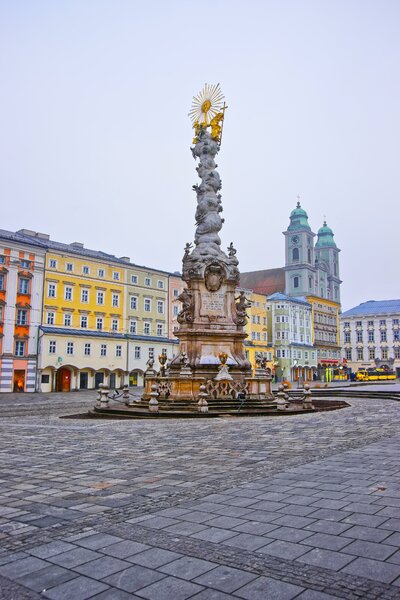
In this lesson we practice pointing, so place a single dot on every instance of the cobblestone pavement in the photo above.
(301, 507)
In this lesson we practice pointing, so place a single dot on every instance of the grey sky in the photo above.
(94, 142)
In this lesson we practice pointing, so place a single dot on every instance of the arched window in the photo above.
(295, 254)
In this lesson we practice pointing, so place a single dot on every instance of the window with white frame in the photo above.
(118, 350)
(253, 335)
(134, 302)
(2, 259)
(175, 310)
(25, 264)
(151, 352)
(133, 327)
(146, 328)
(23, 286)
(371, 352)
(67, 320)
(176, 293)
(384, 353)
(264, 337)
(160, 307)
(383, 336)
(160, 284)
(22, 317)
(159, 328)
(360, 354)
(52, 263)
(116, 275)
(69, 267)
(115, 300)
(84, 295)
(50, 318)
(19, 348)
(68, 292)
(52, 347)
(137, 352)
(114, 325)
(396, 351)
(99, 323)
(100, 298)
(147, 281)
(70, 348)
(1, 282)
(87, 349)
(134, 279)
(84, 321)
(348, 354)
(147, 305)
(100, 273)
(103, 350)
(85, 270)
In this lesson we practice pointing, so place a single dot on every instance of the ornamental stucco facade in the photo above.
(21, 288)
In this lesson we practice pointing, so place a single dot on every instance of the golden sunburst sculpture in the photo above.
(208, 109)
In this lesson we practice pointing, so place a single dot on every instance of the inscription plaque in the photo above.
(212, 303)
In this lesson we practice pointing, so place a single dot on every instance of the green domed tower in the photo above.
(299, 254)
(327, 257)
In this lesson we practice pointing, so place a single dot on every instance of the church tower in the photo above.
(327, 264)
(300, 271)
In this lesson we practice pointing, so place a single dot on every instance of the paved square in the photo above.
(303, 507)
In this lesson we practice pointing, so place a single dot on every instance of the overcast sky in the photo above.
(94, 132)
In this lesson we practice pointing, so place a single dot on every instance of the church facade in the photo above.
(311, 274)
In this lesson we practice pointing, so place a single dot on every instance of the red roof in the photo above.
(267, 281)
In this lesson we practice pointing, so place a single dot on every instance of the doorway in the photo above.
(83, 381)
(64, 380)
(98, 379)
(19, 380)
(112, 381)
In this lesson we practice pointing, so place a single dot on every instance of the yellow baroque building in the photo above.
(82, 342)
(257, 330)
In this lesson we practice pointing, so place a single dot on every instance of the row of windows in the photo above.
(24, 285)
(382, 323)
(295, 354)
(100, 298)
(256, 320)
(87, 349)
(256, 336)
(69, 267)
(359, 353)
(23, 263)
(371, 336)
(84, 323)
(103, 351)
(147, 304)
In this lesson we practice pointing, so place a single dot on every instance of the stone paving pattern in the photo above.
(301, 507)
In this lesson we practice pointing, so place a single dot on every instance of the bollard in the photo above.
(281, 402)
(202, 405)
(126, 396)
(103, 392)
(153, 402)
(307, 400)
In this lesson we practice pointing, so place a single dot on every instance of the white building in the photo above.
(370, 335)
